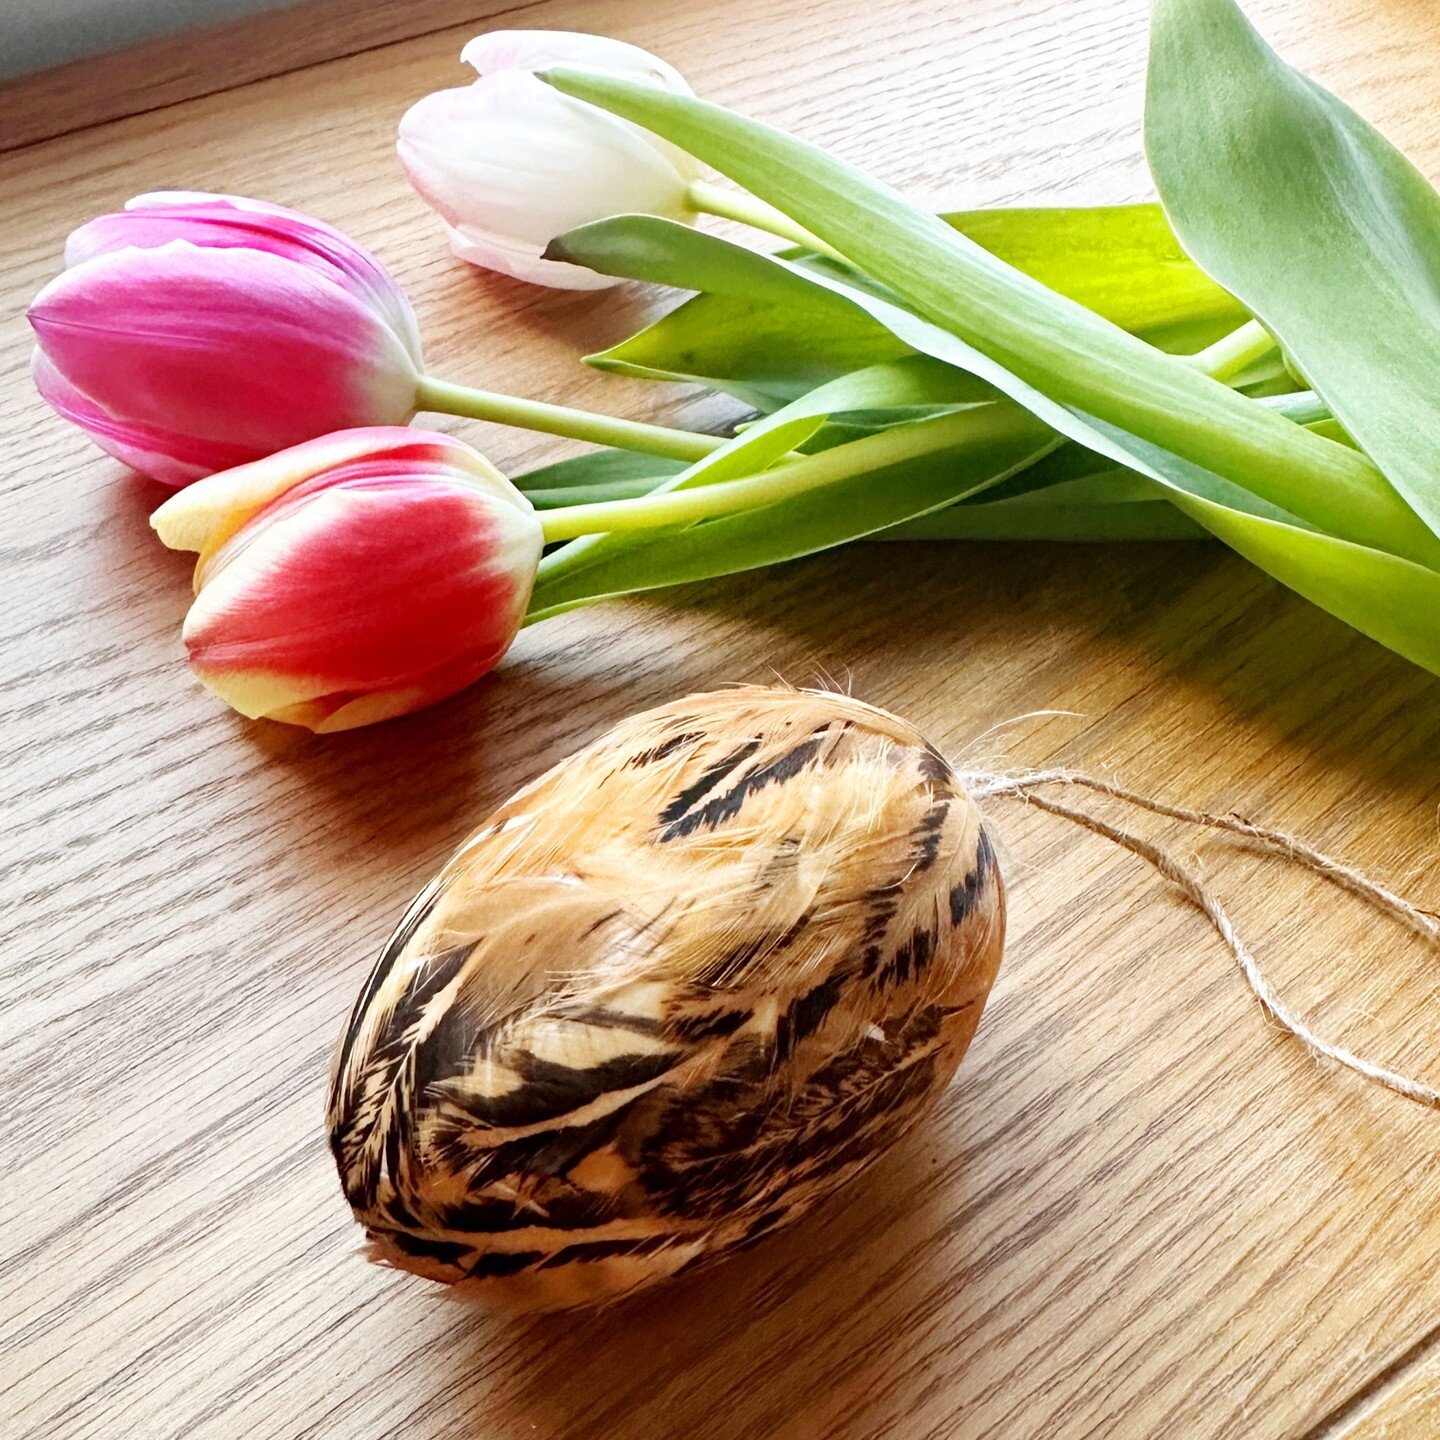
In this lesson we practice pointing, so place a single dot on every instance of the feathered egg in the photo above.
(676, 991)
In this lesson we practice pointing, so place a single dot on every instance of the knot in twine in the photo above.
(1025, 784)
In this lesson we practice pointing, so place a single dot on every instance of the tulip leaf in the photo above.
(879, 495)
(602, 491)
(781, 336)
(597, 467)
(1328, 233)
(1092, 381)
(768, 344)
(1098, 504)
(912, 388)
(1074, 462)
(595, 476)
(1121, 261)
(765, 355)
(1110, 505)
(1228, 462)
(609, 245)
(1074, 524)
(969, 448)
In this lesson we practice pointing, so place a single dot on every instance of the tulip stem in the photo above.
(448, 399)
(1235, 352)
(789, 478)
(708, 199)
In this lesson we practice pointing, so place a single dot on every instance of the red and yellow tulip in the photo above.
(353, 578)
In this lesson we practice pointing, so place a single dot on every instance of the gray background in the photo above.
(35, 34)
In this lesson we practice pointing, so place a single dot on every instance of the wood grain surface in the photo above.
(1139, 1211)
(222, 57)
(1408, 1408)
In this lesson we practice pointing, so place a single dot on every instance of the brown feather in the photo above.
(673, 993)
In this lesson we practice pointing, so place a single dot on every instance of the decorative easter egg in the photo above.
(672, 994)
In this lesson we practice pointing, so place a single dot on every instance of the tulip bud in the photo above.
(510, 163)
(191, 333)
(353, 578)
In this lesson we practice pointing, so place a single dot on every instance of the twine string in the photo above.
(1024, 784)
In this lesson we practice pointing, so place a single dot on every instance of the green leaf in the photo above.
(901, 472)
(594, 476)
(597, 467)
(628, 247)
(765, 355)
(602, 492)
(881, 494)
(1112, 505)
(1070, 524)
(1121, 261)
(1389, 598)
(771, 343)
(1092, 381)
(1074, 462)
(1314, 219)
(780, 338)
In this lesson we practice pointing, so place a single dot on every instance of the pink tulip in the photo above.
(190, 333)
(353, 578)
(509, 163)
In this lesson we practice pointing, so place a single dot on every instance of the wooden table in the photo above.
(1140, 1210)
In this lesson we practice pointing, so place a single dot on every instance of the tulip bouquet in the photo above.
(1132, 372)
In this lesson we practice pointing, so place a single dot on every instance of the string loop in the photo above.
(1024, 784)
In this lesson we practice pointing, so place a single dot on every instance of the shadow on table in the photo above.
(1184, 617)
(438, 774)
(959, 636)
(751, 1332)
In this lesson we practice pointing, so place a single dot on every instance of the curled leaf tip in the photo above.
(577, 81)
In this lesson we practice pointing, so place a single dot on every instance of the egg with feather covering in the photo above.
(675, 992)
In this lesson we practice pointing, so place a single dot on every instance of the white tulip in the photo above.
(509, 163)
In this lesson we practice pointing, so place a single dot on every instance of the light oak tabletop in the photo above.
(1140, 1210)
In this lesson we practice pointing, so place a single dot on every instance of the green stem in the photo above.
(628, 504)
(1237, 351)
(790, 478)
(448, 399)
(709, 199)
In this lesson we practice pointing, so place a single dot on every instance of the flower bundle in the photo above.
(1251, 359)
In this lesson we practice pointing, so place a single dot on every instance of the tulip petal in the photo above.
(231, 348)
(534, 50)
(508, 169)
(511, 157)
(206, 514)
(538, 49)
(171, 459)
(346, 711)
(522, 262)
(359, 592)
(233, 222)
